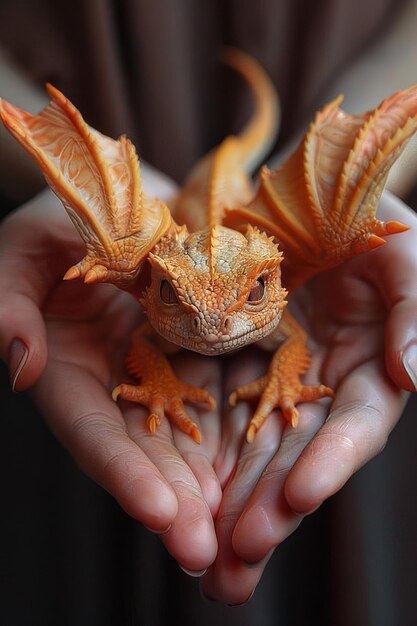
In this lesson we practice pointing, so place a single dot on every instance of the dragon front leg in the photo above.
(281, 387)
(160, 390)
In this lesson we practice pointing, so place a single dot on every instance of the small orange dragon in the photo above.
(207, 270)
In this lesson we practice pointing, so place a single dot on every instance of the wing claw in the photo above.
(96, 274)
(72, 273)
(393, 227)
(372, 242)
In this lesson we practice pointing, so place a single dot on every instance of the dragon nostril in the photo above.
(227, 324)
(196, 324)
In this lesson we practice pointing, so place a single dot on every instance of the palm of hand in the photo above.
(88, 335)
(76, 338)
(164, 480)
(286, 473)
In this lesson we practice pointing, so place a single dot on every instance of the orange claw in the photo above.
(393, 227)
(96, 274)
(375, 242)
(290, 413)
(250, 433)
(72, 273)
(153, 422)
(195, 434)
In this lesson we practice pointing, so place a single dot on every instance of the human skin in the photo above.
(70, 351)
(361, 318)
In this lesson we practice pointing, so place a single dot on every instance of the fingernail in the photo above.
(159, 532)
(194, 573)
(409, 360)
(308, 511)
(18, 356)
(244, 602)
(260, 562)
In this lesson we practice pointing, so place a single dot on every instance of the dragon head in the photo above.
(215, 290)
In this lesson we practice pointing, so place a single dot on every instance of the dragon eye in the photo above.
(257, 292)
(167, 293)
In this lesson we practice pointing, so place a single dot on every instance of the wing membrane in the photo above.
(98, 182)
(321, 203)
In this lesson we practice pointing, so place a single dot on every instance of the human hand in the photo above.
(67, 341)
(113, 447)
(363, 328)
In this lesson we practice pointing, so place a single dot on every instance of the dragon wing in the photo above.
(321, 203)
(98, 181)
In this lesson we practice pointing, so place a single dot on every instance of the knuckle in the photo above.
(187, 487)
(90, 431)
(361, 428)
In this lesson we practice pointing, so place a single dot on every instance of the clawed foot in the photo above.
(160, 390)
(274, 394)
(161, 403)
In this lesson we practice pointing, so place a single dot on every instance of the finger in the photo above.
(401, 342)
(235, 426)
(231, 580)
(84, 418)
(29, 267)
(366, 408)
(198, 460)
(267, 519)
(22, 329)
(191, 538)
(247, 367)
(239, 586)
(22, 339)
(395, 274)
(204, 372)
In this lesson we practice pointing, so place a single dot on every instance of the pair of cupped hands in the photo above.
(221, 507)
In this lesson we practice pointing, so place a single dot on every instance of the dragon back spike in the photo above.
(212, 248)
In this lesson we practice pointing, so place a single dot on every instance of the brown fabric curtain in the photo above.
(150, 68)
(68, 554)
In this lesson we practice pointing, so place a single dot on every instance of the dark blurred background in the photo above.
(68, 553)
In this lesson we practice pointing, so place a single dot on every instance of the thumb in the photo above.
(395, 271)
(24, 284)
(33, 241)
(22, 329)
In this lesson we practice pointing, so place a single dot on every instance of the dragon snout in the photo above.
(210, 331)
(226, 325)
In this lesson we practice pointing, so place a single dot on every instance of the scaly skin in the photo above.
(210, 303)
(218, 255)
